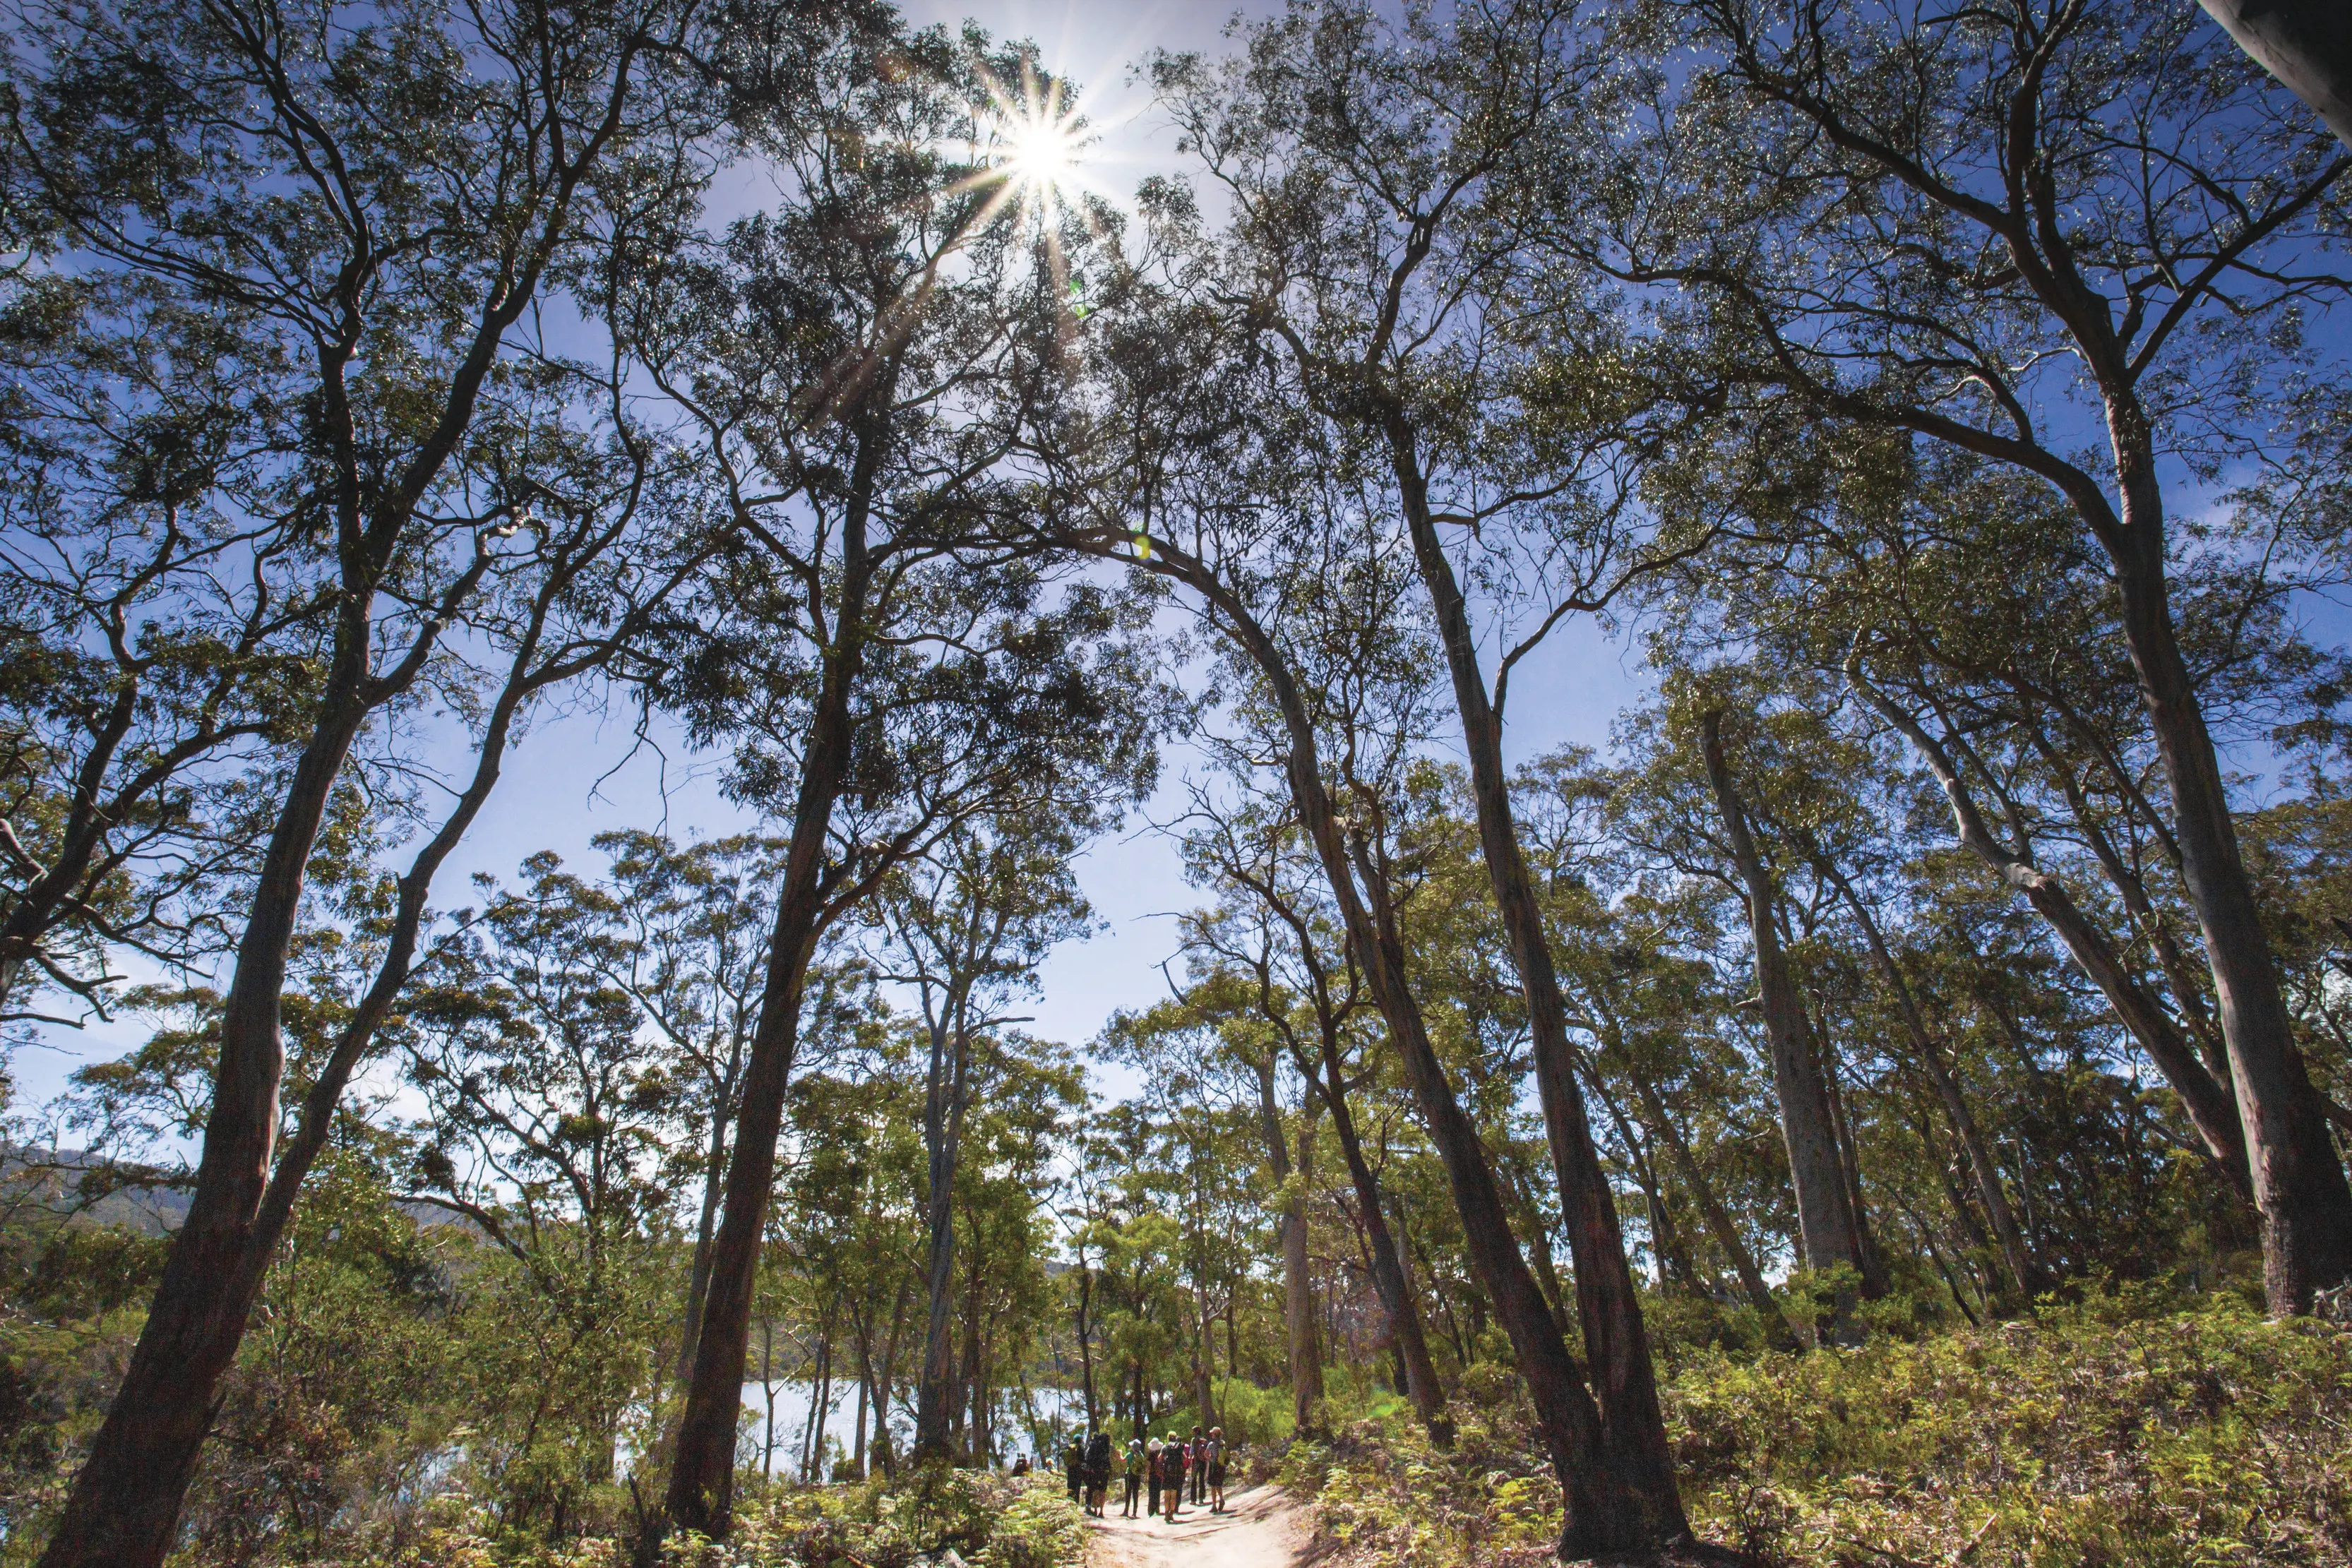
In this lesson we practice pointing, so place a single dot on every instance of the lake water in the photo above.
(1060, 1408)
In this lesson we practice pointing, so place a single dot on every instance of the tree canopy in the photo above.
(1939, 417)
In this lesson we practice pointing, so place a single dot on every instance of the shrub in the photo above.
(2121, 1430)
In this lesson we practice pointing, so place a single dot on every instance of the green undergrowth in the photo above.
(1253, 1417)
(991, 1520)
(2091, 1436)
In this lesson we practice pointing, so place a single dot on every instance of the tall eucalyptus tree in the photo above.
(374, 210)
(1391, 187)
(965, 928)
(2076, 239)
(888, 656)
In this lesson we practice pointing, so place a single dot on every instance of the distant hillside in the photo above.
(100, 1190)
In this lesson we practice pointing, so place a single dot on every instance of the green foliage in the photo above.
(991, 1520)
(1252, 1417)
(1385, 1496)
(2085, 1435)
(2124, 1430)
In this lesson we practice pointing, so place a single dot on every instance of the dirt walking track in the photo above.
(1260, 1527)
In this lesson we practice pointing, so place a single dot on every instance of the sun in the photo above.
(1041, 149)
(1035, 141)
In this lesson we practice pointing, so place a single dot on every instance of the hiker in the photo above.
(1098, 1472)
(1216, 1469)
(1196, 1460)
(1134, 1477)
(1179, 1461)
(1154, 1471)
(1073, 1467)
(1020, 1467)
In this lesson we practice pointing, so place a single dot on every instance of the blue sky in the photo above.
(575, 777)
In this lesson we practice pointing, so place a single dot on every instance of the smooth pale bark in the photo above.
(1297, 1272)
(2306, 44)
(1389, 1281)
(1778, 1329)
(946, 1086)
(1616, 1342)
(1825, 1217)
(702, 1476)
(698, 1284)
(2025, 1271)
(2209, 1111)
(2298, 1181)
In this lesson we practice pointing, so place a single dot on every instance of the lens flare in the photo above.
(1041, 150)
(1036, 144)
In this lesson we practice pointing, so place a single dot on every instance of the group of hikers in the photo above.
(1172, 1467)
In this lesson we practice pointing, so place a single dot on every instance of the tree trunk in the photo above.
(884, 1378)
(767, 1397)
(702, 1477)
(1778, 1331)
(2298, 1181)
(698, 1284)
(125, 1503)
(36, 904)
(943, 1112)
(1297, 1283)
(2024, 1270)
(820, 1397)
(1085, 1341)
(2133, 890)
(1568, 1423)
(864, 1393)
(1826, 1220)
(2306, 44)
(1204, 1358)
(1616, 1343)
(1299, 1313)
(974, 1371)
(1389, 1281)
(1665, 1238)
(1599, 1515)
(2218, 1124)
(1865, 1244)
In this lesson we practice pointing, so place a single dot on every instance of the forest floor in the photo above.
(2130, 1429)
(1262, 1527)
